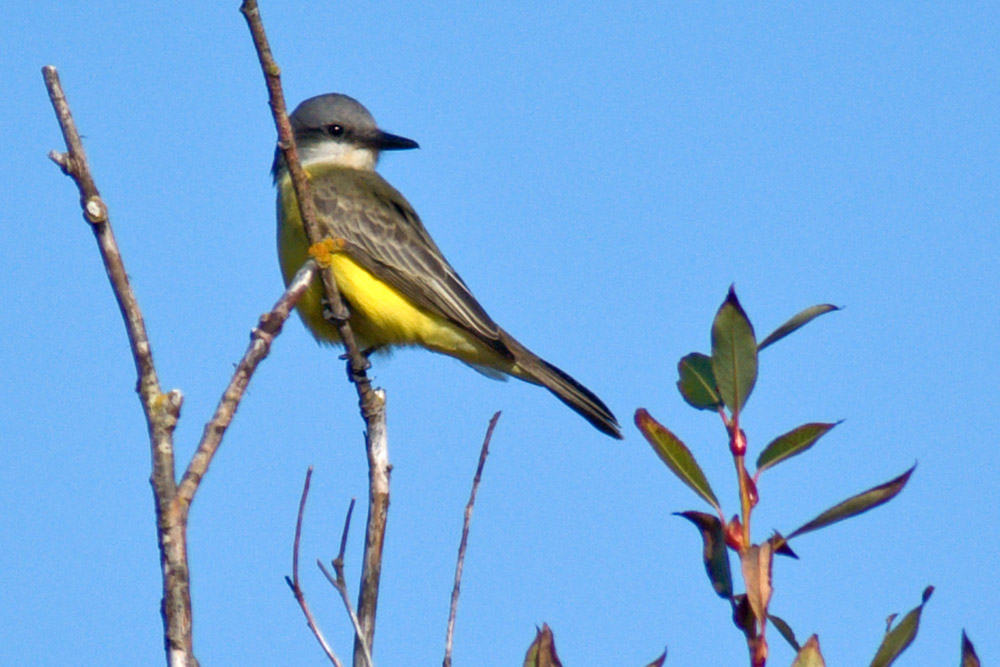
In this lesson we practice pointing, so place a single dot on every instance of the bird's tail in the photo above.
(538, 371)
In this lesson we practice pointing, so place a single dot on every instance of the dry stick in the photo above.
(261, 338)
(293, 583)
(161, 410)
(340, 583)
(377, 446)
(372, 402)
(484, 452)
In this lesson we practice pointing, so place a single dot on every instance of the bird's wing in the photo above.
(384, 235)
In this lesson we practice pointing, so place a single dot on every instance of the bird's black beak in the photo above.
(384, 141)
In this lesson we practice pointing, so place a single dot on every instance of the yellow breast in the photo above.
(380, 315)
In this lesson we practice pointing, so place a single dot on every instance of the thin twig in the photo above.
(300, 182)
(340, 583)
(293, 582)
(161, 410)
(372, 403)
(261, 337)
(343, 535)
(483, 453)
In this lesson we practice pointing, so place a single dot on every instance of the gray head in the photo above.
(336, 129)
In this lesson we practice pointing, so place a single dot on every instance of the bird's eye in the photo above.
(335, 130)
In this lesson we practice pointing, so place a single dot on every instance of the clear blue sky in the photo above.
(599, 177)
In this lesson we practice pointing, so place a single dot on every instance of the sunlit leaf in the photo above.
(900, 637)
(792, 443)
(969, 657)
(785, 631)
(542, 652)
(810, 656)
(756, 564)
(734, 353)
(715, 555)
(676, 455)
(797, 321)
(697, 383)
(862, 502)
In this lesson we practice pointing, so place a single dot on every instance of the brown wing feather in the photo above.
(385, 235)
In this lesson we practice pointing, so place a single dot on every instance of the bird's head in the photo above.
(337, 130)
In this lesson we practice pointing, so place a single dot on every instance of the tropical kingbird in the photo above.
(397, 285)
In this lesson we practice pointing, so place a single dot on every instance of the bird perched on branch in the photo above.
(398, 287)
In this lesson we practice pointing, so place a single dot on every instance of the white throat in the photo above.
(338, 154)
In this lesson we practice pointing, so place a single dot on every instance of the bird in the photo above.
(397, 285)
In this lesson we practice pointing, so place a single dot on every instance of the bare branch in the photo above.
(483, 453)
(376, 440)
(372, 402)
(74, 164)
(293, 583)
(343, 535)
(161, 410)
(340, 583)
(358, 364)
(261, 337)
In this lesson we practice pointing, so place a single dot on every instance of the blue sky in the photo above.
(598, 178)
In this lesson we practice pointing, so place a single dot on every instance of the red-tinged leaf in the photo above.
(810, 655)
(855, 505)
(734, 353)
(542, 652)
(676, 455)
(751, 486)
(900, 637)
(785, 631)
(697, 383)
(756, 564)
(792, 443)
(969, 657)
(659, 661)
(714, 555)
(797, 321)
(733, 533)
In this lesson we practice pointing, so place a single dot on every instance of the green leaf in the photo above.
(854, 505)
(809, 655)
(734, 353)
(796, 322)
(697, 383)
(792, 443)
(969, 657)
(715, 555)
(900, 637)
(677, 457)
(785, 631)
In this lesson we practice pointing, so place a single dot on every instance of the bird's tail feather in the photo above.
(578, 397)
(526, 365)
